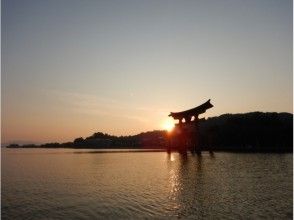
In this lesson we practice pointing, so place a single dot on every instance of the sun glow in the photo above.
(168, 124)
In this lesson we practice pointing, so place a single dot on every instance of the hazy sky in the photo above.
(73, 67)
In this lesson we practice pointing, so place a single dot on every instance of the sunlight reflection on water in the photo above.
(58, 184)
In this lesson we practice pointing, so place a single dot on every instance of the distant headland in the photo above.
(248, 132)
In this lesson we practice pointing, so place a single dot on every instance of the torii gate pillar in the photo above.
(185, 136)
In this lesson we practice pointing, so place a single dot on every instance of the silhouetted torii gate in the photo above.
(185, 135)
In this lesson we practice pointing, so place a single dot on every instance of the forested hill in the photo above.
(253, 132)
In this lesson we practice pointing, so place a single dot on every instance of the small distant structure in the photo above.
(185, 135)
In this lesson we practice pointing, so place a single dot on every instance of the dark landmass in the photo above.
(249, 132)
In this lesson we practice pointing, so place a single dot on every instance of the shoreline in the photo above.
(142, 150)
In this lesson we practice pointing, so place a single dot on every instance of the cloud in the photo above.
(93, 105)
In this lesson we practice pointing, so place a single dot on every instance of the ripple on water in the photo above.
(146, 185)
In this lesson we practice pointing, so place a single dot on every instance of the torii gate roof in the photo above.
(192, 112)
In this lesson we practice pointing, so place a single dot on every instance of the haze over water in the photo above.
(78, 184)
(72, 68)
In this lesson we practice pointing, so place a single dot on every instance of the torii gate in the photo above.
(185, 135)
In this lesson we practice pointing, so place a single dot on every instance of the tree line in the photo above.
(248, 132)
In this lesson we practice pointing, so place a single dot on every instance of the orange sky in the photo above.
(72, 68)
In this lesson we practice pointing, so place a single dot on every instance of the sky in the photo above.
(74, 67)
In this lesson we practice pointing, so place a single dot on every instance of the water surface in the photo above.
(86, 184)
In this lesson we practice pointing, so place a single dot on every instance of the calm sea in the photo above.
(86, 184)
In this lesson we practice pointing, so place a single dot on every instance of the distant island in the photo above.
(248, 132)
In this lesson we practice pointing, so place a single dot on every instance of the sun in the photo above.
(168, 124)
